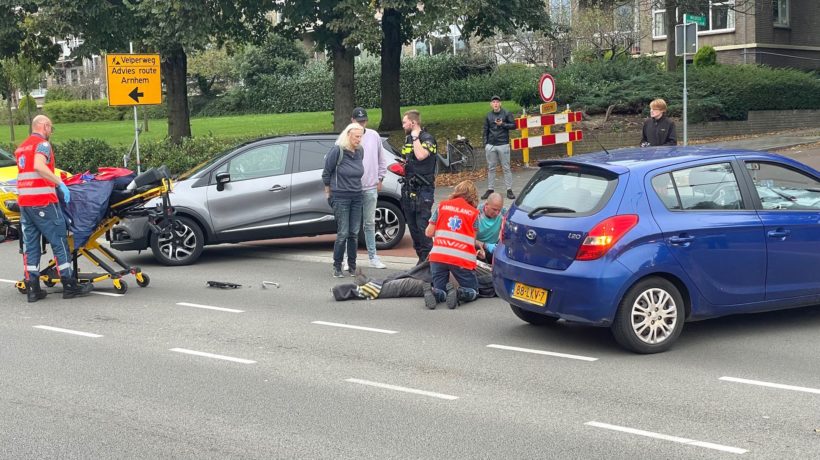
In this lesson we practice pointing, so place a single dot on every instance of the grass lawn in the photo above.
(442, 120)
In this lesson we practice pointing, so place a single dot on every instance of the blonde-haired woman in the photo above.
(453, 227)
(342, 177)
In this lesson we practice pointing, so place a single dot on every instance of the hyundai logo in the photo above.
(531, 235)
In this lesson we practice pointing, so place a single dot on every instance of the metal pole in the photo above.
(136, 125)
(685, 98)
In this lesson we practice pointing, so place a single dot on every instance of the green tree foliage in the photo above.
(277, 55)
(705, 56)
(214, 69)
(172, 28)
(26, 77)
(6, 90)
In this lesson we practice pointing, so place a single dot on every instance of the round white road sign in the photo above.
(546, 87)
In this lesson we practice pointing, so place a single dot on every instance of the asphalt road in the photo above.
(181, 370)
(284, 380)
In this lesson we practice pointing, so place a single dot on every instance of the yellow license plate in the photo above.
(529, 294)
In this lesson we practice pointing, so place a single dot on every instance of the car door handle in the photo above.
(277, 188)
(681, 240)
(779, 233)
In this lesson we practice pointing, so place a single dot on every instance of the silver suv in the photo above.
(265, 189)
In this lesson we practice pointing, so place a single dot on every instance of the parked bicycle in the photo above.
(457, 156)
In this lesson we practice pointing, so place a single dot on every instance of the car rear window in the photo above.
(567, 189)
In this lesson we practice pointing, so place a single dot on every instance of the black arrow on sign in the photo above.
(135, 94)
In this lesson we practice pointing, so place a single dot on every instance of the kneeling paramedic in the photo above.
(40, 213)
(453, 228)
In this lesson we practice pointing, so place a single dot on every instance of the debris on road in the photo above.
(265, 284)
(223, 284)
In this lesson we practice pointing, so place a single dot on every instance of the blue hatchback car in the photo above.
(642, 240)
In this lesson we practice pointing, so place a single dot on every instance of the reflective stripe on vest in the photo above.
(32, 188)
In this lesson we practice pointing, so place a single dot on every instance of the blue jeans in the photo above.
(47, 221)
(467, 282)
(348, 212)
(369, 214)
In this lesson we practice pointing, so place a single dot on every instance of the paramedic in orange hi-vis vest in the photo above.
(453, 227)
(40, 212)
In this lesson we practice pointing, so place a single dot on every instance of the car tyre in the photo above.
(650, 317)
(390, 225)
(535, 319)
(181, 245)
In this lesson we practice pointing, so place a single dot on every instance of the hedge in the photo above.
(83, 110)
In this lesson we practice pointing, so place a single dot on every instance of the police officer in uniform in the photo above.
(40, 213)
(419, 181)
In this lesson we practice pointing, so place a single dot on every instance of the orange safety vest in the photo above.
(454, 240)
(32, 188)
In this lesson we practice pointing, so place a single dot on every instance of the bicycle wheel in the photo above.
(453, 156)
(469, 157)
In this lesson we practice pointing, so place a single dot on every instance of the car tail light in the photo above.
(604, 235)
(396, 168)
(501, 232)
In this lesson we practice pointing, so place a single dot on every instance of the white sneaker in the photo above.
(376, 263)
(345, 266)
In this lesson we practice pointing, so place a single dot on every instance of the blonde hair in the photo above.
(343, 141)
(658, 104)
(466, 190)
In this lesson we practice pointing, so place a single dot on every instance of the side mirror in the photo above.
(222, 179)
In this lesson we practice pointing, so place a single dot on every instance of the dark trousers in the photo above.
(417, 206)
(466, 279)
(47, 221)
(348, 213)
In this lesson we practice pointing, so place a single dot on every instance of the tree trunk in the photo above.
(390, 64)
(671, 21)
(175, 68)
(11, 118)
(344, 87)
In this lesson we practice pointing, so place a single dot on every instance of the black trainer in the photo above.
(487, 194)
(510, 194)
(429, 297)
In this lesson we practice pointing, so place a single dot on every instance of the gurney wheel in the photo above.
(146, 280)
(120, 286)
(21, 287)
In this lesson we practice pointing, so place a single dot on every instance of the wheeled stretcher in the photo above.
(154, 183)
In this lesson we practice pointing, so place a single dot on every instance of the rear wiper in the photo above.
(548, 210)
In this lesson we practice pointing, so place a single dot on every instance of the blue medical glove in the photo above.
(66, 194)
(490, 247)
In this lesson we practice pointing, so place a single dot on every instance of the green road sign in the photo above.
(699, 20)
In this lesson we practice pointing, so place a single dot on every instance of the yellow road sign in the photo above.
(549, 107)
(133, 79)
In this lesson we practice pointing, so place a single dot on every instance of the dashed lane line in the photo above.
(403, 389)
(779, 386)
(666, 437)
(360, 328)
(542, 352)
(208, 307)
(68, 331)
(211, 355)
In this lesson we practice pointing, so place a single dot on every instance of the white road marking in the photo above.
(211, 355)
(360, 328)
(8, 281)
(109, 294)
(666, 437)
(772, 385)
(68, 331)
(208, 307)
(542, 352)
(404, 389)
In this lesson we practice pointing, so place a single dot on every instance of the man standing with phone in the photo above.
(497, 126)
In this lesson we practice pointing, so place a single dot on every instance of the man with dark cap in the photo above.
(497, 126)
(375, 167)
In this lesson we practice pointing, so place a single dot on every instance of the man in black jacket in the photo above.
(658, 129)
(497, 126)
(418, 191)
